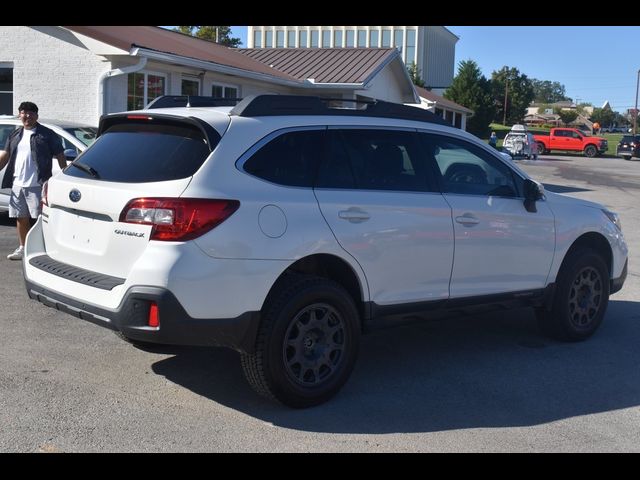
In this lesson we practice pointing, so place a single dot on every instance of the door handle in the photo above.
(467, 219)
(354, 215)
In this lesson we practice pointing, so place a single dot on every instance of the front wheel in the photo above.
(580, 300)
(307, 343)
(590, 151)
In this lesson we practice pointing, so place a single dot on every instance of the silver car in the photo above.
(75, 139)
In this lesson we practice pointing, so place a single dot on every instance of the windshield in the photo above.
(86, 135)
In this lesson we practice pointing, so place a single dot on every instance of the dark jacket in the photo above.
(45, 143)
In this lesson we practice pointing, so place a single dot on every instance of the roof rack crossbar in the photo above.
(171, 101)
(271, 105)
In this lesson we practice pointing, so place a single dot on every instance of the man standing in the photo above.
(29, 152)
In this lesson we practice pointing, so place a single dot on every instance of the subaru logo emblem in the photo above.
(75, 195)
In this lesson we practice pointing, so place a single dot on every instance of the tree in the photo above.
(218, 34)
(516, 88)
(414, 74)
(567, 116)
(545, 91)
(472, 89)
(604, 116)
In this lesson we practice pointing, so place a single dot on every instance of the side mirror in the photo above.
(533, 191)
(70, 154)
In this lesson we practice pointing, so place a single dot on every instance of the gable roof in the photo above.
(176, 43)
(441, 101)
(325, 65)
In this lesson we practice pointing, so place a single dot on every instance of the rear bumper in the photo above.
(176, 326)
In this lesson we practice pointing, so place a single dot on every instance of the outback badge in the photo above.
(75, 195)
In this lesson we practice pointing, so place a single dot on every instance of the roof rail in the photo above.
(170, 101)
(270, 105)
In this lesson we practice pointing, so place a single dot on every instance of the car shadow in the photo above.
(489, 371)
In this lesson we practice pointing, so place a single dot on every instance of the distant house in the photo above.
(453, 113)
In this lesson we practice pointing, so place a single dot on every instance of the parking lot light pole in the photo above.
(635, 109)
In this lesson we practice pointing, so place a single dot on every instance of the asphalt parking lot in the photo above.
(483, 384)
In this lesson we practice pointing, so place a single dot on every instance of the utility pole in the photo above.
(635, 110)
(506, 92)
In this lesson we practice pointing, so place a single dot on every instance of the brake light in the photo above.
(44, 201)
(178, 219)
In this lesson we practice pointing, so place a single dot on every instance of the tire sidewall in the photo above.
(282, 385)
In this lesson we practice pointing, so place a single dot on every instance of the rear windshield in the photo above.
(139, 153)
(629, 138)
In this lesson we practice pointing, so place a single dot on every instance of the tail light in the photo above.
(154, 316)
(178, 219)
(45, 194)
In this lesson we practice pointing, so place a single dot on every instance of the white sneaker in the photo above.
(17, 254)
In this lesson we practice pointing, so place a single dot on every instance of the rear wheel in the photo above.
(580, 300)
(307, 343)
(590, 151)
(541, 148)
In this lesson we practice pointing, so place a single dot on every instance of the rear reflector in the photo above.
(154, 317)
(178, 219)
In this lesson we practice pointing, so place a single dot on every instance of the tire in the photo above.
(306, 345)
(626, 157)
(580, 300)
(590, 151)
(541, 149)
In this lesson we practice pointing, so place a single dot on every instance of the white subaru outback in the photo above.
(284, 228)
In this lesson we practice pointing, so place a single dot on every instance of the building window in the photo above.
(326, 38)
(142, 88)
(337, 38)
(6, 91)
(314, 38)
(362, 38)
(268, 39)
(374, 36)
(291, 38)
(223, 91)
(397, 39)
(190, 86)
(279, 38)
(350, 38)
(386, 38)
(257, 38)
(302, 36)
(411, 47)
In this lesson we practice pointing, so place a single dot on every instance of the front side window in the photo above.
(374, 159)
(289, 159)
(142, 88)
(466, 169)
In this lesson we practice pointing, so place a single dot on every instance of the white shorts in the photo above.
(25, 202)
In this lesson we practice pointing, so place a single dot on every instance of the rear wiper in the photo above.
(86, 168)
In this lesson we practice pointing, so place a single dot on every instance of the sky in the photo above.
(595, 64)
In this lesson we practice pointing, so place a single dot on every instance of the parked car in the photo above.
(628, 147)
(520, 143)
(283, 228)
(75, 139)
(571, 139)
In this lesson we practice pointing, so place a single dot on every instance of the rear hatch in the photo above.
(135, 157)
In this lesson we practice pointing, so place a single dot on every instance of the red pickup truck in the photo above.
(571, 139)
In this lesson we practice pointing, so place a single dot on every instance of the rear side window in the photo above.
(289, 159)
(141, 152)
(374, 159)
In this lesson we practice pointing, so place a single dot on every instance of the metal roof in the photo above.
(176, 43)
(325, 65)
